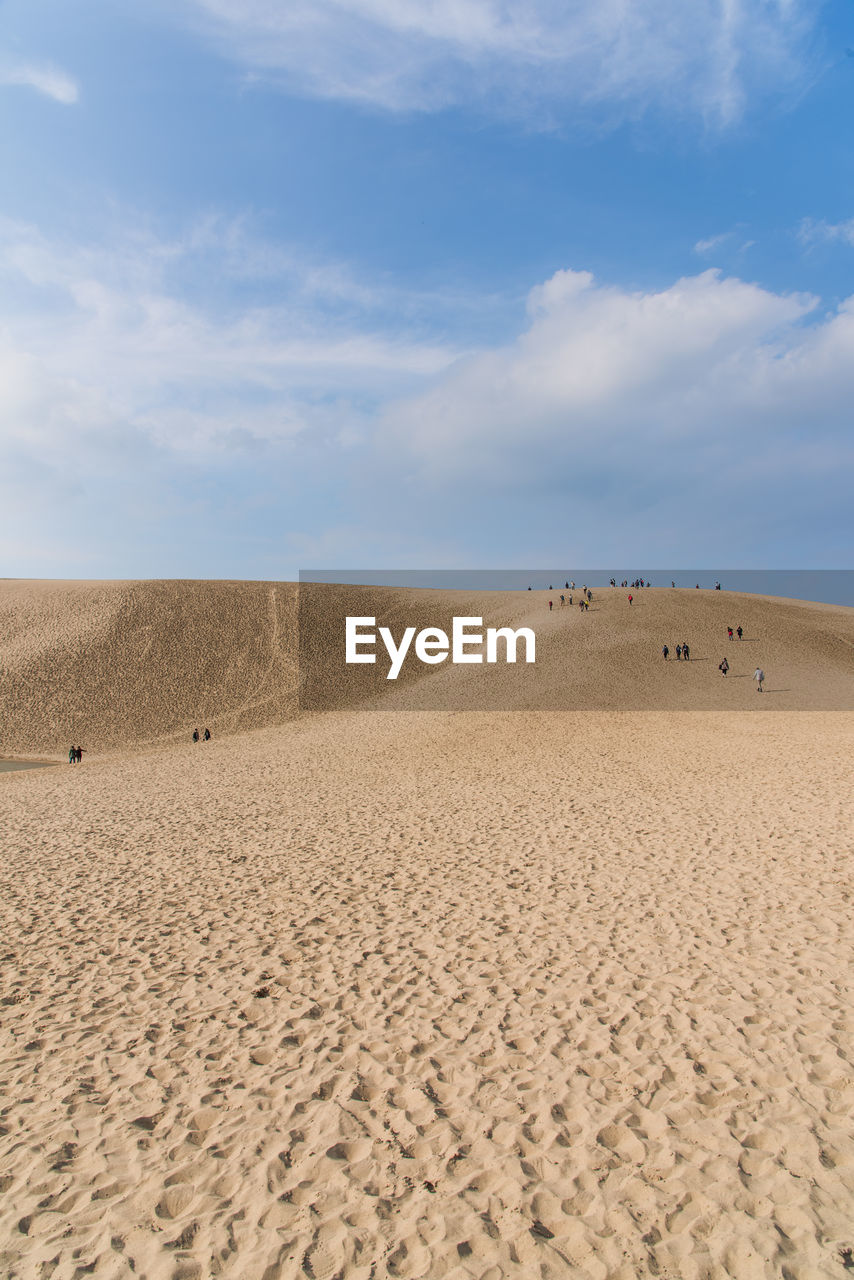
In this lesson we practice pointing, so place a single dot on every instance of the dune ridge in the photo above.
(118, 665)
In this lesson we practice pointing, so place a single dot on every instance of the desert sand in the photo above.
(395, 992)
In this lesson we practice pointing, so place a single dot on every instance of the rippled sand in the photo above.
(434, 995)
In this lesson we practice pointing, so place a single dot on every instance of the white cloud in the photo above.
(604, 379)
(816, 230)
(48, 80)
(99, 340)
(714, 242)
(525, 57)
(606, 405)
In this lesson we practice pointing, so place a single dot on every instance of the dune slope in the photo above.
(115, 665)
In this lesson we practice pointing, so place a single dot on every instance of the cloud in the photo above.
(134, 398)
(714, 242)
(817, 231)
(97, 340)
(529, 58)
(47, 80)
(604, 380)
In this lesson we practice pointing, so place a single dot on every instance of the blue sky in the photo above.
(414, 283)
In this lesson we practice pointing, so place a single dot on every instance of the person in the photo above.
(673, 584)
(589, 594)
(739, 631)
(72, 755)
(678, 653)
(195, 735)
(717, 586)
(729, 633)
(562, 599)
(759, 676)
(566, 586)
(551, 605)
(207, 735)
(79, 754)
(630, 598)
(665, 651)
(685, 651)
(723, 667)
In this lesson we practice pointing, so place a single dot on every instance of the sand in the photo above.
(433, 994)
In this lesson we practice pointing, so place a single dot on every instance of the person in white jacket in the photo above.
(759, 676)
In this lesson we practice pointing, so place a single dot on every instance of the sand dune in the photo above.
(120, 664)
(115, 665)
(391, 994)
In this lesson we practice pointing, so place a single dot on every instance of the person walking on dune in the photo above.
(195, 735)
(551, 605)
(729, 633)
(665, 652)
(207, 735)
(739, 631)
(723, 667)
(630, 599)
(759, 676)
(678, 653)
(72, 755)
(686, 654)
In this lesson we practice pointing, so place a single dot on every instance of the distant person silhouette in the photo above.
(72, 755)
(195, 735)
(207, 735)
(723, 667)
(678, 653)
(665, 652)
(685, 651)
(739, 631)
(759, 676)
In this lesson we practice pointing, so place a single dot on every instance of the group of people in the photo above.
(682, 651)
(206, 736)
(75, 755)
(583, 604)
(739, 631)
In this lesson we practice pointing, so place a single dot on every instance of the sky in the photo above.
(417, 283)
